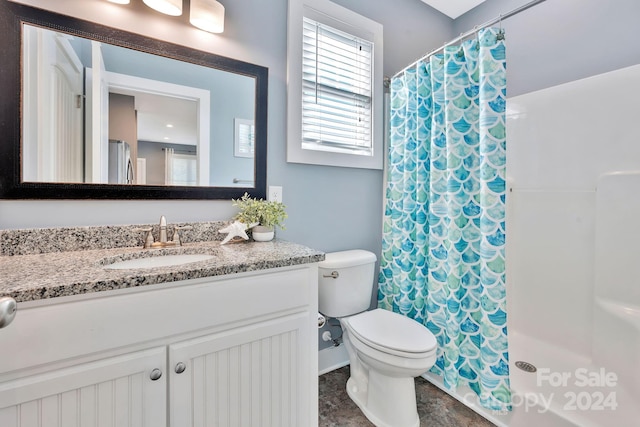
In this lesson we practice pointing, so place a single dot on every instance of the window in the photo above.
(334, 87)
(183, 169)
(336, 90)
(179, 168)
(244, 138)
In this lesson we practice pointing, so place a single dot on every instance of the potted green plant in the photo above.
(262, 216)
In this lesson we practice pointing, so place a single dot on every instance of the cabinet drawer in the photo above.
(82, 326)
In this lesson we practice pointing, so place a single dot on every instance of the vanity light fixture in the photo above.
(208, 15)
(168, 7)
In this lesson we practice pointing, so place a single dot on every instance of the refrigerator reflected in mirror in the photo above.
(120, 166)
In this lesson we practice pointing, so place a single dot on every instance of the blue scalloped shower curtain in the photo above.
(443, 251)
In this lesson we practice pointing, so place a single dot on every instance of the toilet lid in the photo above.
(392, 331)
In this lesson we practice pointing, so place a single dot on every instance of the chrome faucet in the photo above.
(162, 241)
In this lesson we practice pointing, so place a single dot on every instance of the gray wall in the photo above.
(559, 41)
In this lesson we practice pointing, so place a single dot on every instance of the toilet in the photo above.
(386, 350)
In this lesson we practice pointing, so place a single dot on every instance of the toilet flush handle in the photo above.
(334, 275)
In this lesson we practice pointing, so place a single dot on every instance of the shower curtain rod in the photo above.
(473, 31)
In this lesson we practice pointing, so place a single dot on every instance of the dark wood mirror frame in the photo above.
(12, 16)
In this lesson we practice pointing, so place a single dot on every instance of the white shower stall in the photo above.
(573, 252)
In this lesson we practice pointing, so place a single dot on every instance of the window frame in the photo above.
(343, 19)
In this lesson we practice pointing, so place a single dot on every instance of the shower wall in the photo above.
(572, 165)
(561, 140)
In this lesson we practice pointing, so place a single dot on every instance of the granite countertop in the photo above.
(39, 276)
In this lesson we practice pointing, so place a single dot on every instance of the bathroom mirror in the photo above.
(91, 112)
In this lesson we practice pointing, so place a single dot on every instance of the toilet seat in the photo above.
(392, 333)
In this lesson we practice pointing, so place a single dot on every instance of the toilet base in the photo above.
(386, 401)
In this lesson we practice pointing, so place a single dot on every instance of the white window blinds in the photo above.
(336, 90)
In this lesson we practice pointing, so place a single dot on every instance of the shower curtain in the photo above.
(444, 223)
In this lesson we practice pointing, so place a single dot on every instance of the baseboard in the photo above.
(332, 358)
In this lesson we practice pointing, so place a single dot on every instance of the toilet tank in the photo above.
(345, 282)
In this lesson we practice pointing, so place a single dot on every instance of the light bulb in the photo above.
(168, 7)
(208, 15)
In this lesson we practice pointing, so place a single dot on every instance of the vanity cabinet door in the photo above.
(255, 375)
(115, 391)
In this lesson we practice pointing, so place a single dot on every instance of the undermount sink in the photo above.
(158, 261)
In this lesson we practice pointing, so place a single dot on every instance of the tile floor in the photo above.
(435, 407)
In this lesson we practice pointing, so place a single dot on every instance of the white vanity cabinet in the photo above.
(234, 350)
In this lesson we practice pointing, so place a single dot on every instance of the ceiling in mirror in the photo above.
(110, 114)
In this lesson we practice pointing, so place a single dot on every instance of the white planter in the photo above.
(262, 234)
